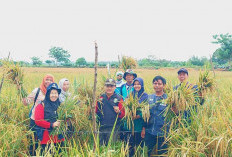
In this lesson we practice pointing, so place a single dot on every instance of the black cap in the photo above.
(183, 70)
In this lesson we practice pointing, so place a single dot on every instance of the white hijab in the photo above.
(63, 95)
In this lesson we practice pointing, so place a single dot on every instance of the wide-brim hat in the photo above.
(129, 71)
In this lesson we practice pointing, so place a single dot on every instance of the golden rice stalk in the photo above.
(183, 98)
(128, 63)
(206, 83)
(132, 107)
(15, 74)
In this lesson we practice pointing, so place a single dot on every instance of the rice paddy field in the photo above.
(208, 134)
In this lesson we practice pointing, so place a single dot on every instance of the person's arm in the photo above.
(30, 98)
(143, 132)
(121, 108)
(39, 117)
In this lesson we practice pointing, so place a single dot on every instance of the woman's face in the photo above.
(137, 86)
(66, 86)
(54, 95)
(48, 81)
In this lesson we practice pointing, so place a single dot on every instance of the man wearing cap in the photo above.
(119, 82)
(109, 110)
(183, 77)
(127, 88)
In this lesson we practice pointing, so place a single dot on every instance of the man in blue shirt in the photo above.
(127, 88)
(157, 128)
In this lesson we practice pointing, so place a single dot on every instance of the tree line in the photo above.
(221, 58)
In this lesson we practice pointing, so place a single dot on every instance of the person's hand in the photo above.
(135, 117)
(175, 110)
(56, 124)
(116, 109)
(25, 101)
(143, 133)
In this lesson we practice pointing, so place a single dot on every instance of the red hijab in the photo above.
(42, 87)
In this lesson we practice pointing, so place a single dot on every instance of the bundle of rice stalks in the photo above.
(206, 83)
(66, 109)
(132, 108)
(72, 116)
(16, 76)
(128, 63)
(182, 99)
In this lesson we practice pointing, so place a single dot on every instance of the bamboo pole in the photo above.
(4, 74)
(94, 94)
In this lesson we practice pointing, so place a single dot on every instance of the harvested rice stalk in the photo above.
(206, 83)
(128, 63)
(132, 108)
(182, 99)
(15, 74)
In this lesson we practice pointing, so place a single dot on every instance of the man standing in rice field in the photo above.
(128, 88)
(119, 82)
(157, 128)
(183, 78)
(109, 110)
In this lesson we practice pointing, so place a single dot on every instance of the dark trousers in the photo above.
(151, 141)
(105, 132)
(134, 141)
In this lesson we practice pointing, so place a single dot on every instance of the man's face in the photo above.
(119, 77)
(129, 78)
(109, 89)
(158, 86)
(182, 76)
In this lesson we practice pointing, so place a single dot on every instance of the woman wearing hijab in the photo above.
(64, 86)
(46, 117)
(36, 96)
(142, 97)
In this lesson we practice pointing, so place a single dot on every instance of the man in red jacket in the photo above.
(109, 111)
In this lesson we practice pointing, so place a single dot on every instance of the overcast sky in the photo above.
(169, 29)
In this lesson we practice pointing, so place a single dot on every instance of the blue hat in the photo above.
(183, 70)
(53, 86)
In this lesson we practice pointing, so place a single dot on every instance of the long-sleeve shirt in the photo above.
(39, 121)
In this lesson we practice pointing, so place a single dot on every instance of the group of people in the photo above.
(43, 115)
(109, 111)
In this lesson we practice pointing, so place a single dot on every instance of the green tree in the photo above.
(225, 50)
(59, 54)
(194, 60)
(36, 61)
(80, 62)
(49, 62)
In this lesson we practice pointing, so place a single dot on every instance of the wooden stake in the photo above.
(4, 74)
(212, 67)
(94, 94)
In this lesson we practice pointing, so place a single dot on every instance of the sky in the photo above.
(168, 29)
